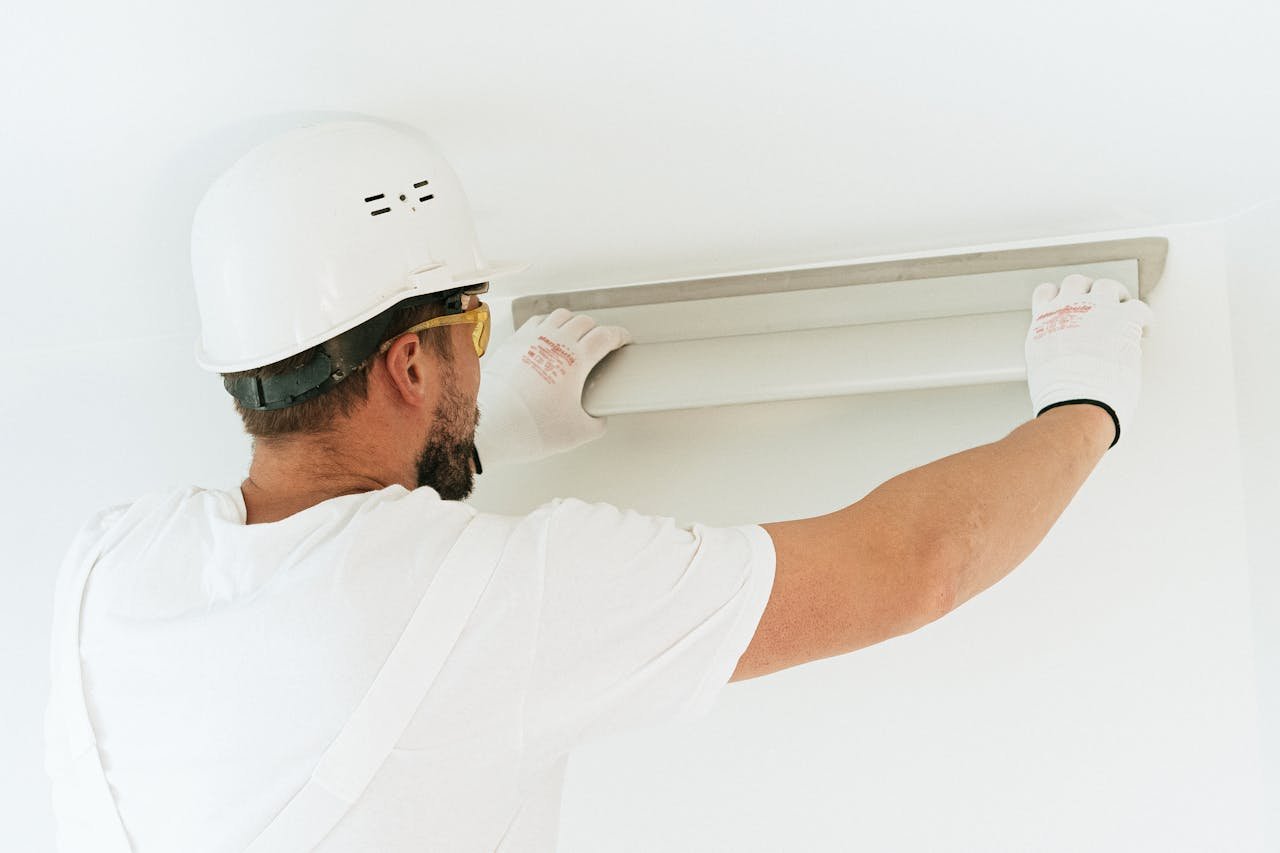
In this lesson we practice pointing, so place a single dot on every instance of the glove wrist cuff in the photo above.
(1109, 410)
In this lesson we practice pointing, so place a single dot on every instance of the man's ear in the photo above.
(407, 365)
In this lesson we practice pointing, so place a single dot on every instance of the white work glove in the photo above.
(531, 388)
(1083, 347)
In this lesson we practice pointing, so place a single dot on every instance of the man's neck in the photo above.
(286, 478)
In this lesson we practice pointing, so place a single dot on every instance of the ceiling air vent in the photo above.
(826, 331)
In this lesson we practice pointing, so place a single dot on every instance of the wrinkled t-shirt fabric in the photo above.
(220, 659)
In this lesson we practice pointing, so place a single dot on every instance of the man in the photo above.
(340, 655)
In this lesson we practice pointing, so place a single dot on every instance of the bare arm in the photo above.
(987, 509)
(923, 542)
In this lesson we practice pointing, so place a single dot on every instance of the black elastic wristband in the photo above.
(1110, 411)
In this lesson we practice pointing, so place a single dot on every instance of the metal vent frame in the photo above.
(832, 330)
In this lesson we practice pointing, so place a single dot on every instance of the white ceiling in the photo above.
(609, 142)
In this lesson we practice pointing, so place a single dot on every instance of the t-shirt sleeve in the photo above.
(641, 621)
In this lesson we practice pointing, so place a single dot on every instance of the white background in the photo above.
(1106, 696)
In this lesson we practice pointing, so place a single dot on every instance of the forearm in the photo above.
(983, 511)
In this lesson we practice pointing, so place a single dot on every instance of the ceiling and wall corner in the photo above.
(623, 142)
(1253, 257)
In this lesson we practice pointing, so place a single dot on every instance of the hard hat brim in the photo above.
(216, 365)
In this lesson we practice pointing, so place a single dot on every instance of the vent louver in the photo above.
(403, 197)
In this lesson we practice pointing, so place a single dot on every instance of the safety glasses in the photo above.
(479, 335)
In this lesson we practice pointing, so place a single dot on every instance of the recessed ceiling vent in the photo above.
(379, 201)
(826, 331)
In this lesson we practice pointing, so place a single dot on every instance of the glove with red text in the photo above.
(1084, 347)
(531, 388)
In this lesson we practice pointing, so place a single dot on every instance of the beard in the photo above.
(445, 461)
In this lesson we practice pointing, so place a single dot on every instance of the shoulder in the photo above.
(106, 519)
(599, 519)
(586, 516)
(108, 526)
(591, 534)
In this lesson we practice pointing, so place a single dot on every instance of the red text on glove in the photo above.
(1063, 318)
(550, 359)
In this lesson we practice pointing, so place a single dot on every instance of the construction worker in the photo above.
(342, 655)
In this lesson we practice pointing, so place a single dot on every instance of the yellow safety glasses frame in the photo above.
(479, 335)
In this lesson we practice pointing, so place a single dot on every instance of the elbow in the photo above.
(941, 561)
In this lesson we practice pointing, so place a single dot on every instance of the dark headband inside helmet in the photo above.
(336, 359)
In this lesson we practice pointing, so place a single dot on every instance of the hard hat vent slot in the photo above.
(381, 196)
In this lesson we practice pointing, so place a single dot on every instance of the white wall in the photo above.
(1253, 255)
(1100, 698)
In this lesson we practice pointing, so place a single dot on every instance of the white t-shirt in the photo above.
(220, 659)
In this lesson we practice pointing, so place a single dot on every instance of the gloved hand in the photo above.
(530, 395)
(1083, 346)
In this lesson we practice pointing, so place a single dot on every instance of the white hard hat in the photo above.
(320, 229)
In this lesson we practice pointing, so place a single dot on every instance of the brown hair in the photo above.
(318, 414)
